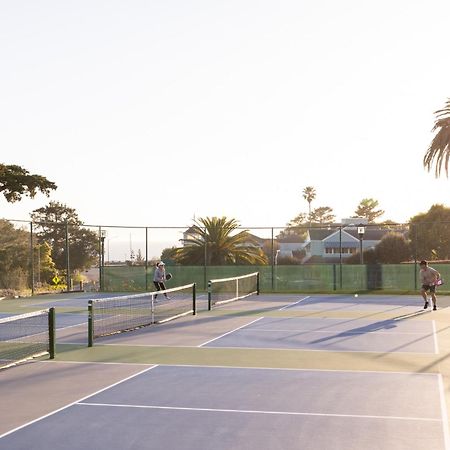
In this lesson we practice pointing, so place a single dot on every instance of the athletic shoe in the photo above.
(434, 308)
(425, 306)
(167, 298)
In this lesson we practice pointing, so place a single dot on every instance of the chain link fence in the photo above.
(59, 256)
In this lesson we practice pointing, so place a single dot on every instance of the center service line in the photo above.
(293, 304)
(246, 411)
(229, 332)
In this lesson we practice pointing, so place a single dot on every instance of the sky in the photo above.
(152, 112)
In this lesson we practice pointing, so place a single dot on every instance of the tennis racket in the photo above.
(168, 276)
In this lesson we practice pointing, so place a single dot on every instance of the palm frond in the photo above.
(438, 153)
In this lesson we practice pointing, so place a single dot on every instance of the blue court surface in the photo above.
(349, 303)
(192, 408)
(333, 335)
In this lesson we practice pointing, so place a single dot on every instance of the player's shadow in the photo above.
(382, 325)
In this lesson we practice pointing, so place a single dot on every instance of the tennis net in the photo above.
(129, 312)
(224, 290)
(27, 336)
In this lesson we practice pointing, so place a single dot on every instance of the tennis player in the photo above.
(428, 278)
(159, 276)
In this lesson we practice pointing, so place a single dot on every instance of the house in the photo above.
(289, 245)
(339, 241)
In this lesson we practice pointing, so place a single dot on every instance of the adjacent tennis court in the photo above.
(265, 372)
(214, 407)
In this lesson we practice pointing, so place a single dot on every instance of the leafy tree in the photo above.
(438, 152)
(323, 214)
(430, 233)
(309, 194)
(51, 222)
(168, 255)
(15, 182)
(14, 256)
(393, 248)
(296, 226)
(369, 257)
(139, 260)
(367, 208)
(298, 221)
(44, 266)
(221, 242)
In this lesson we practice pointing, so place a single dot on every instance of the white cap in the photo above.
(161, 263)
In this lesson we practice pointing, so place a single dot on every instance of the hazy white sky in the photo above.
(146, 112)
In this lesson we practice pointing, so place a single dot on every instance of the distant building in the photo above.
(328, 245)
(289, 245)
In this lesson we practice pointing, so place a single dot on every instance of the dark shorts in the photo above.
(429, 287)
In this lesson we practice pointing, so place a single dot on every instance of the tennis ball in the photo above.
(356, 295)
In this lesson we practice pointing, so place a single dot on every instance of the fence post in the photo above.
(334, 277)
(194, 299)
(32, 258)
(68, 279)
(209, 296)
(51, 331)
(273, 260)
(146, 258)
(258, 286)
(90, 324)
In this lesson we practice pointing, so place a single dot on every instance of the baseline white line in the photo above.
(293, 304)
(76, 401)
(436, 347)
(444, 412)
(229, 332)
(245, 411)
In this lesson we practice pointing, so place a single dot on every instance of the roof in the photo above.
(292, 239)
(371, 234)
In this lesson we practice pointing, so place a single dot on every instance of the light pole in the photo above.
(276, 257)
(361, 231)
(102, 258)
(276, 269)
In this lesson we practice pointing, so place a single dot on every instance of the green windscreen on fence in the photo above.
(279, 278)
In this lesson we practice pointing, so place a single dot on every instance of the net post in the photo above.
(209, 296)
(51, 333)
(194, 299)
(257, 283)
(90, 324)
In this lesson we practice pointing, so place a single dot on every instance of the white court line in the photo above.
(72, 326)
(293, 304)
(76, 402)
(245, 411)
(436, 347)
(444, 412)
(229, 332)
(317, 350)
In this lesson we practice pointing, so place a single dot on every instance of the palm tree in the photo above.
(309, 194)
(217, 241)
(439, 150)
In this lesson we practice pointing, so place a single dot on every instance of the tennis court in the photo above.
(266, 372)
(223, 408)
